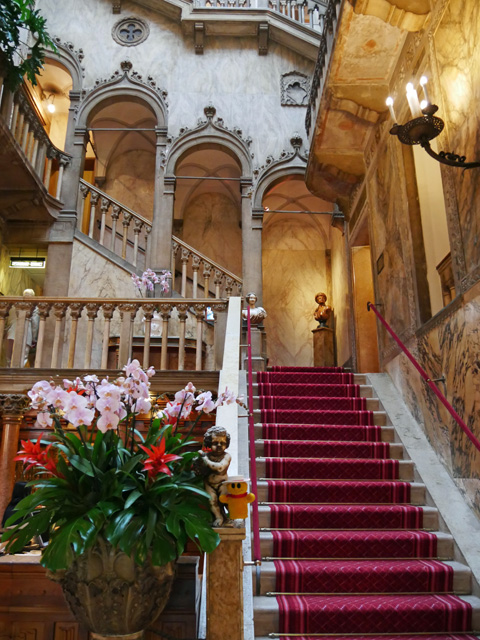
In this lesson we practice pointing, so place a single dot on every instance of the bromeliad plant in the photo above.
(99, 477)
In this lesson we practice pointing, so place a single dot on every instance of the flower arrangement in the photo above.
(149, 279)
(99, 477)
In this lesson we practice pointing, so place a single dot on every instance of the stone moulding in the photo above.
(131, 31)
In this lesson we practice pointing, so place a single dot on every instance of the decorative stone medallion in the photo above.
(295, 89)
(130, 31)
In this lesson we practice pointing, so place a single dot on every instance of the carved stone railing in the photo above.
(102, 333)
(199, 272)
(47, 161)
(328, 30)
(114, 225)
(126, 234)
(305, 12)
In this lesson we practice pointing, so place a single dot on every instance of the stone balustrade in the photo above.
(85, 333)
(47, 161)
(114, 225)
(305, 12)
(126, 234)
(200, 276)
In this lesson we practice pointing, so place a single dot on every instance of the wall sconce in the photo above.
(424, 127)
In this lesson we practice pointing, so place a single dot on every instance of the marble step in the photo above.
(462, 578)
(445, 546)
(379, 417)
(406, 471)
(266, 616)
(387, 433)
(396, 450)
(372, 403)
(430, 518)
(417, 492)
(365, 391)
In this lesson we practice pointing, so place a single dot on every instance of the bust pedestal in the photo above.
(323, 351)
(259, 358)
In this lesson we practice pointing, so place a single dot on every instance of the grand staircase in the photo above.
(349, 546)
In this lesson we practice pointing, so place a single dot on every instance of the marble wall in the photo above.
(211, 224)
(222, 75)
(447, 344)
(296, 266)
(130, 180)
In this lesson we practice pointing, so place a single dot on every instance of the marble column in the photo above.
(12, 409)
(252, 225)
(76, 141)
(225, 587)
(160, 240)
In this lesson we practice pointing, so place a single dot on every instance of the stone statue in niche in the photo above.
(257, 314)
(323, 312)
(213, 465)
(295, 89)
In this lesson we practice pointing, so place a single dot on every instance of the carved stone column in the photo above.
(160, 241)
(12, 409)
(225, 587)
(251, 244)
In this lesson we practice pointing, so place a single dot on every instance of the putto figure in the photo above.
(257, 314)
(323, 312)
(213, 465)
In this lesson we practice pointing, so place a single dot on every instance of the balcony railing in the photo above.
(305, 12)
(47, 161)
(328, 30)
(126, 233)
(168, 333)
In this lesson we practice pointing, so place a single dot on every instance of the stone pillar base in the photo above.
(259, 356)
(323, 350)
(225, 587)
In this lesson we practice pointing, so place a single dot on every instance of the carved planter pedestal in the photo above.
(111, 595)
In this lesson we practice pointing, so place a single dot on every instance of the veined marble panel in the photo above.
(340, 300)
(458, 57)
(211, 225)
(294, 270)
(451, 349)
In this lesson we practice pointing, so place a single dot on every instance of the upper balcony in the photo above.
(360, 48)
(295, 24)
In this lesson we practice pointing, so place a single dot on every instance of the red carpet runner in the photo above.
(351, 555)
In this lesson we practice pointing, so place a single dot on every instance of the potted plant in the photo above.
(118, 506)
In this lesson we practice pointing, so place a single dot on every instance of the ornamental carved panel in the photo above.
(294, 89)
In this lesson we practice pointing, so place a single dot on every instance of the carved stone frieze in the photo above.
(70, 48)
(294, 89)
(285, 158)
(218, 125)
(126, 74)
(13, 404)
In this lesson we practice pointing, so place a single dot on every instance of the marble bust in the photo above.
(257, 314)
(323, 312)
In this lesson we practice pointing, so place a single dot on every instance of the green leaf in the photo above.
(133, 497)
(82, 465)
(151, 522)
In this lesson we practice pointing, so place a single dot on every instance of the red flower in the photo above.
(157, 462)
(32, 454)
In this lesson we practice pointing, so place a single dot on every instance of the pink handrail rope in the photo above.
(426, 377)
(251, 437)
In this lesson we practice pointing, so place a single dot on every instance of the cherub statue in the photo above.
(323, 311)
(257, 314)
(213, 465)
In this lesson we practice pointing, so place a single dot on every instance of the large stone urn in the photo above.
(111, 595)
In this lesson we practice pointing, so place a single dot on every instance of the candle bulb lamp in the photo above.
(424, 126)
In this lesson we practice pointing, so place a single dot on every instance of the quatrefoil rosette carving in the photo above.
(130, 31)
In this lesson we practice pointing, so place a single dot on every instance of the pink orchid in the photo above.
(108, 420)
(205, 402)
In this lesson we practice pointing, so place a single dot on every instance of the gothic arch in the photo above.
(125, 83)
(210, 132)
(291, 163)
(71, 59)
